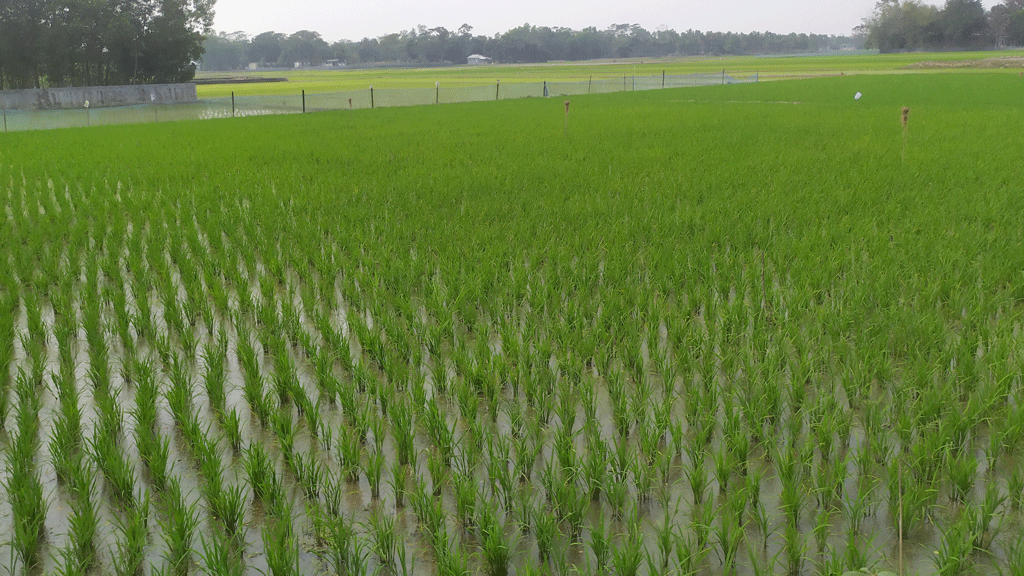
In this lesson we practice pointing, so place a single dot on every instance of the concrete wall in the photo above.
(97, 96)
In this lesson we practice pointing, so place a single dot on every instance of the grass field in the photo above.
(323, 81)
(743, 329)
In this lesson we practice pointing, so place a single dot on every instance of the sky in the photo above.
(348, 20)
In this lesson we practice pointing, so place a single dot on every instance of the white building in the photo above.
(476, 59)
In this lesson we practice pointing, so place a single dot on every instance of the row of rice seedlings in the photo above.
(66, 452)
(153, 447)
(633, 367)
(214, 382)
(23, 483)
(178, 525)
(8, 315)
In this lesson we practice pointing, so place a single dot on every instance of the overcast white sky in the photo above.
(354, 20)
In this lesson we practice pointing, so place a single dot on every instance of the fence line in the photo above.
(238, 106)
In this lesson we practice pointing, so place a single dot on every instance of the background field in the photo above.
(321, 81)
(750, 329)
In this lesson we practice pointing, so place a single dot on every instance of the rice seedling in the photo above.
(962, 469)
(728, 536)
(794, 550)
(465, 499)
(219, 556)
(281, 546)
(404, 432)
(374, 470)
(526, 452)
(213, 355)
(496, 547)
(117, 470)
(1015, 489)
(66, 436)
(599, 541)
(178, 529)
(987, 524)
(953, 556)
(83, 529)
(1014, 556)
(792, 497)
(438, 472)
(382, 530)
(23, 484)
(129, 557)
(452, 561)
(722, 460)
(701, 519)
(233, 429)
(695, 474)
(627, 558)
(260, 475)
(349, 448)
(665, 537)
(909, 499)
(546, 531)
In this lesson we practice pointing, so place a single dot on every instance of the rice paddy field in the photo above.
(765, 68)
(743, 329)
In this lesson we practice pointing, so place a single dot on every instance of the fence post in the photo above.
(723, 76)
(5, 119)
(662, 78)
(437, 92)
(303, 101)
(371, 97)
(623, 83)
(232, 104)
(497, 89)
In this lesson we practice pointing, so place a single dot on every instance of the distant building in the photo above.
(477, 59)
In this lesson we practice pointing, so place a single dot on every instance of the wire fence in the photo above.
(240, 106)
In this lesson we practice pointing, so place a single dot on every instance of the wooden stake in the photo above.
(905, 118)
(567, 118)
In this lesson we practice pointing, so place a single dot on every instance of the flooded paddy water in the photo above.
(284, 374)
(569, 477)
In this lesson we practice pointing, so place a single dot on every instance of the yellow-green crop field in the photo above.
(739, 329)
(325, 81)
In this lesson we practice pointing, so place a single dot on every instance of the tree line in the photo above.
(100, 42)
(526, 43)
(901, 25)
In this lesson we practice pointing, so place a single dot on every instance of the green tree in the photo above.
(305, 46)
(896, 25)
(223, 51)
(22, 37)
(1015, 29)
(999, 19)
(341, 51)
(265, 48)
(90, 42)
(173, 42)
(962, 23)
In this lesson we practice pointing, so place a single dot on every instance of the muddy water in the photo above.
(876, 542)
